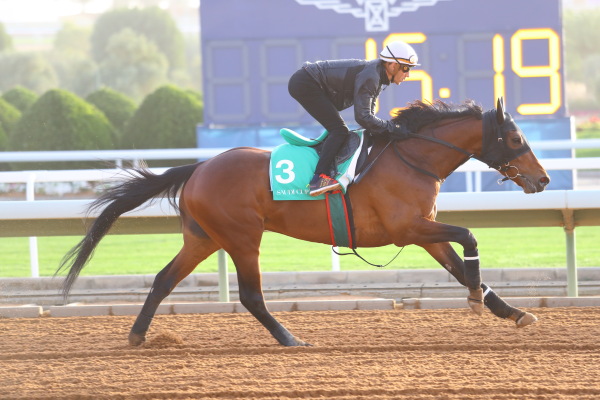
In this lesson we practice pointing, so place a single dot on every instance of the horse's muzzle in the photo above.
(540, 185)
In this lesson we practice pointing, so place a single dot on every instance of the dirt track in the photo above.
(418, 354)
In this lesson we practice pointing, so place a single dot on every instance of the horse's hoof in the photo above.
(475, 301)
(298, 343)
(295, 342)
(526, 319)
(476, 306)
(136, 339)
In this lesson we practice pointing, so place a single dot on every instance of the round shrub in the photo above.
(166, 119)
(9, 116)
(117, 107)
(20, 97)
(60, 120)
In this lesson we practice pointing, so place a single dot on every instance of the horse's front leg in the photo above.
(451, 261)
(428, 232)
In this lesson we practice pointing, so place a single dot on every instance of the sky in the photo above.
(27, 11)
(23, 11)
(32, 23)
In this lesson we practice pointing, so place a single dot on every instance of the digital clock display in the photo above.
(468, 49)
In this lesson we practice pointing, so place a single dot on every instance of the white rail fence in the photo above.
(43, 218)
(472, 168)
(564, 208)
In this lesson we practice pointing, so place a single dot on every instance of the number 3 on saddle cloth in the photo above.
(292, 166)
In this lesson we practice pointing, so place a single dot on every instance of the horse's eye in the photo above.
(517, 140)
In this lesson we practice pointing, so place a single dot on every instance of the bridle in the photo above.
(495, 152)
(499, 156)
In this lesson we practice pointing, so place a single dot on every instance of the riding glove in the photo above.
(400, 131)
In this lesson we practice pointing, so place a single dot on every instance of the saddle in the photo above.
(351, 145)
(293, 163)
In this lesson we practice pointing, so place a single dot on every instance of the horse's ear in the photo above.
(500, 111)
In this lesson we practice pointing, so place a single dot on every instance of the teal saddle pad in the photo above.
(292, 167)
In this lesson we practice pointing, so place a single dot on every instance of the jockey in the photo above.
(324, 88)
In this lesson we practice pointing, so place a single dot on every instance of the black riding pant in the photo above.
(309, 94)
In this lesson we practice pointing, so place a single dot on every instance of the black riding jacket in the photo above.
(353, 82)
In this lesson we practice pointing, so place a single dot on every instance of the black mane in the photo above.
(419, 114)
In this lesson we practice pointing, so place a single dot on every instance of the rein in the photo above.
(431, 139)
(355, 253)
(495, 152)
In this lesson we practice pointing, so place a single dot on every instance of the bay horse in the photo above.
(226, 203)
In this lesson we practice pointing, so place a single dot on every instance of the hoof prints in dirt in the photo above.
(376, 355)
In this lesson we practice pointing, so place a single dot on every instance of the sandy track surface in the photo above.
(416, 354)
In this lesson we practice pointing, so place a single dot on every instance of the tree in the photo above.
(133, 65)
(583, 54)
(60, 120)
(581, 36)
(76, 72)
(155, 24)
(6, 43)
(117, 107)
(20, 97)
(30, 70)
(72, 39)
(167, 118)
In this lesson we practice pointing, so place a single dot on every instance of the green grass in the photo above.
(148, 254)
(588, 134)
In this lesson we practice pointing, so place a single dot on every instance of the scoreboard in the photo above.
(468, 49)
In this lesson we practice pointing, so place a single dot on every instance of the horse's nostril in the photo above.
(544, 181)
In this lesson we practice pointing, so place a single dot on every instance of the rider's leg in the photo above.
(332, 145)
(311, 96)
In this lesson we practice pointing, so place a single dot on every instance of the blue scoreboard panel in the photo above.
(468, 49)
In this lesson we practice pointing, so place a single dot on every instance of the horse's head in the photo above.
(506, 149)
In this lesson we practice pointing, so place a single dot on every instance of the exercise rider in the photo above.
(324, 88)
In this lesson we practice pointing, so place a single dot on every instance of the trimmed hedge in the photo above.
(117, 107)
(167, 118)
(9, 116)
(60, 120)
(20, 97)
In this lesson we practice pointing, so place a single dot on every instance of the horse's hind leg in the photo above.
(451, 261)
(194, 250)
(251, 296)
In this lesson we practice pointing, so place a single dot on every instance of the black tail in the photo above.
(142, 186)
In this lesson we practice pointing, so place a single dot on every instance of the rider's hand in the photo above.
(400, 131)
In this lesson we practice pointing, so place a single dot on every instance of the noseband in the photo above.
(495, 152)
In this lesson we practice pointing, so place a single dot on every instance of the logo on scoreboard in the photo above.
(376, 13)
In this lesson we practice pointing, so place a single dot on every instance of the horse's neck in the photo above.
(464, 133)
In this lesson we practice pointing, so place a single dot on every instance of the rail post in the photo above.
(223, 276)
(33, 244)
(569, 227)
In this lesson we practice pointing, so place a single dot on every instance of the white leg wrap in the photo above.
(489, 289)
(472, 258)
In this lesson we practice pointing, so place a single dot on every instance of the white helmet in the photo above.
(400, 52)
